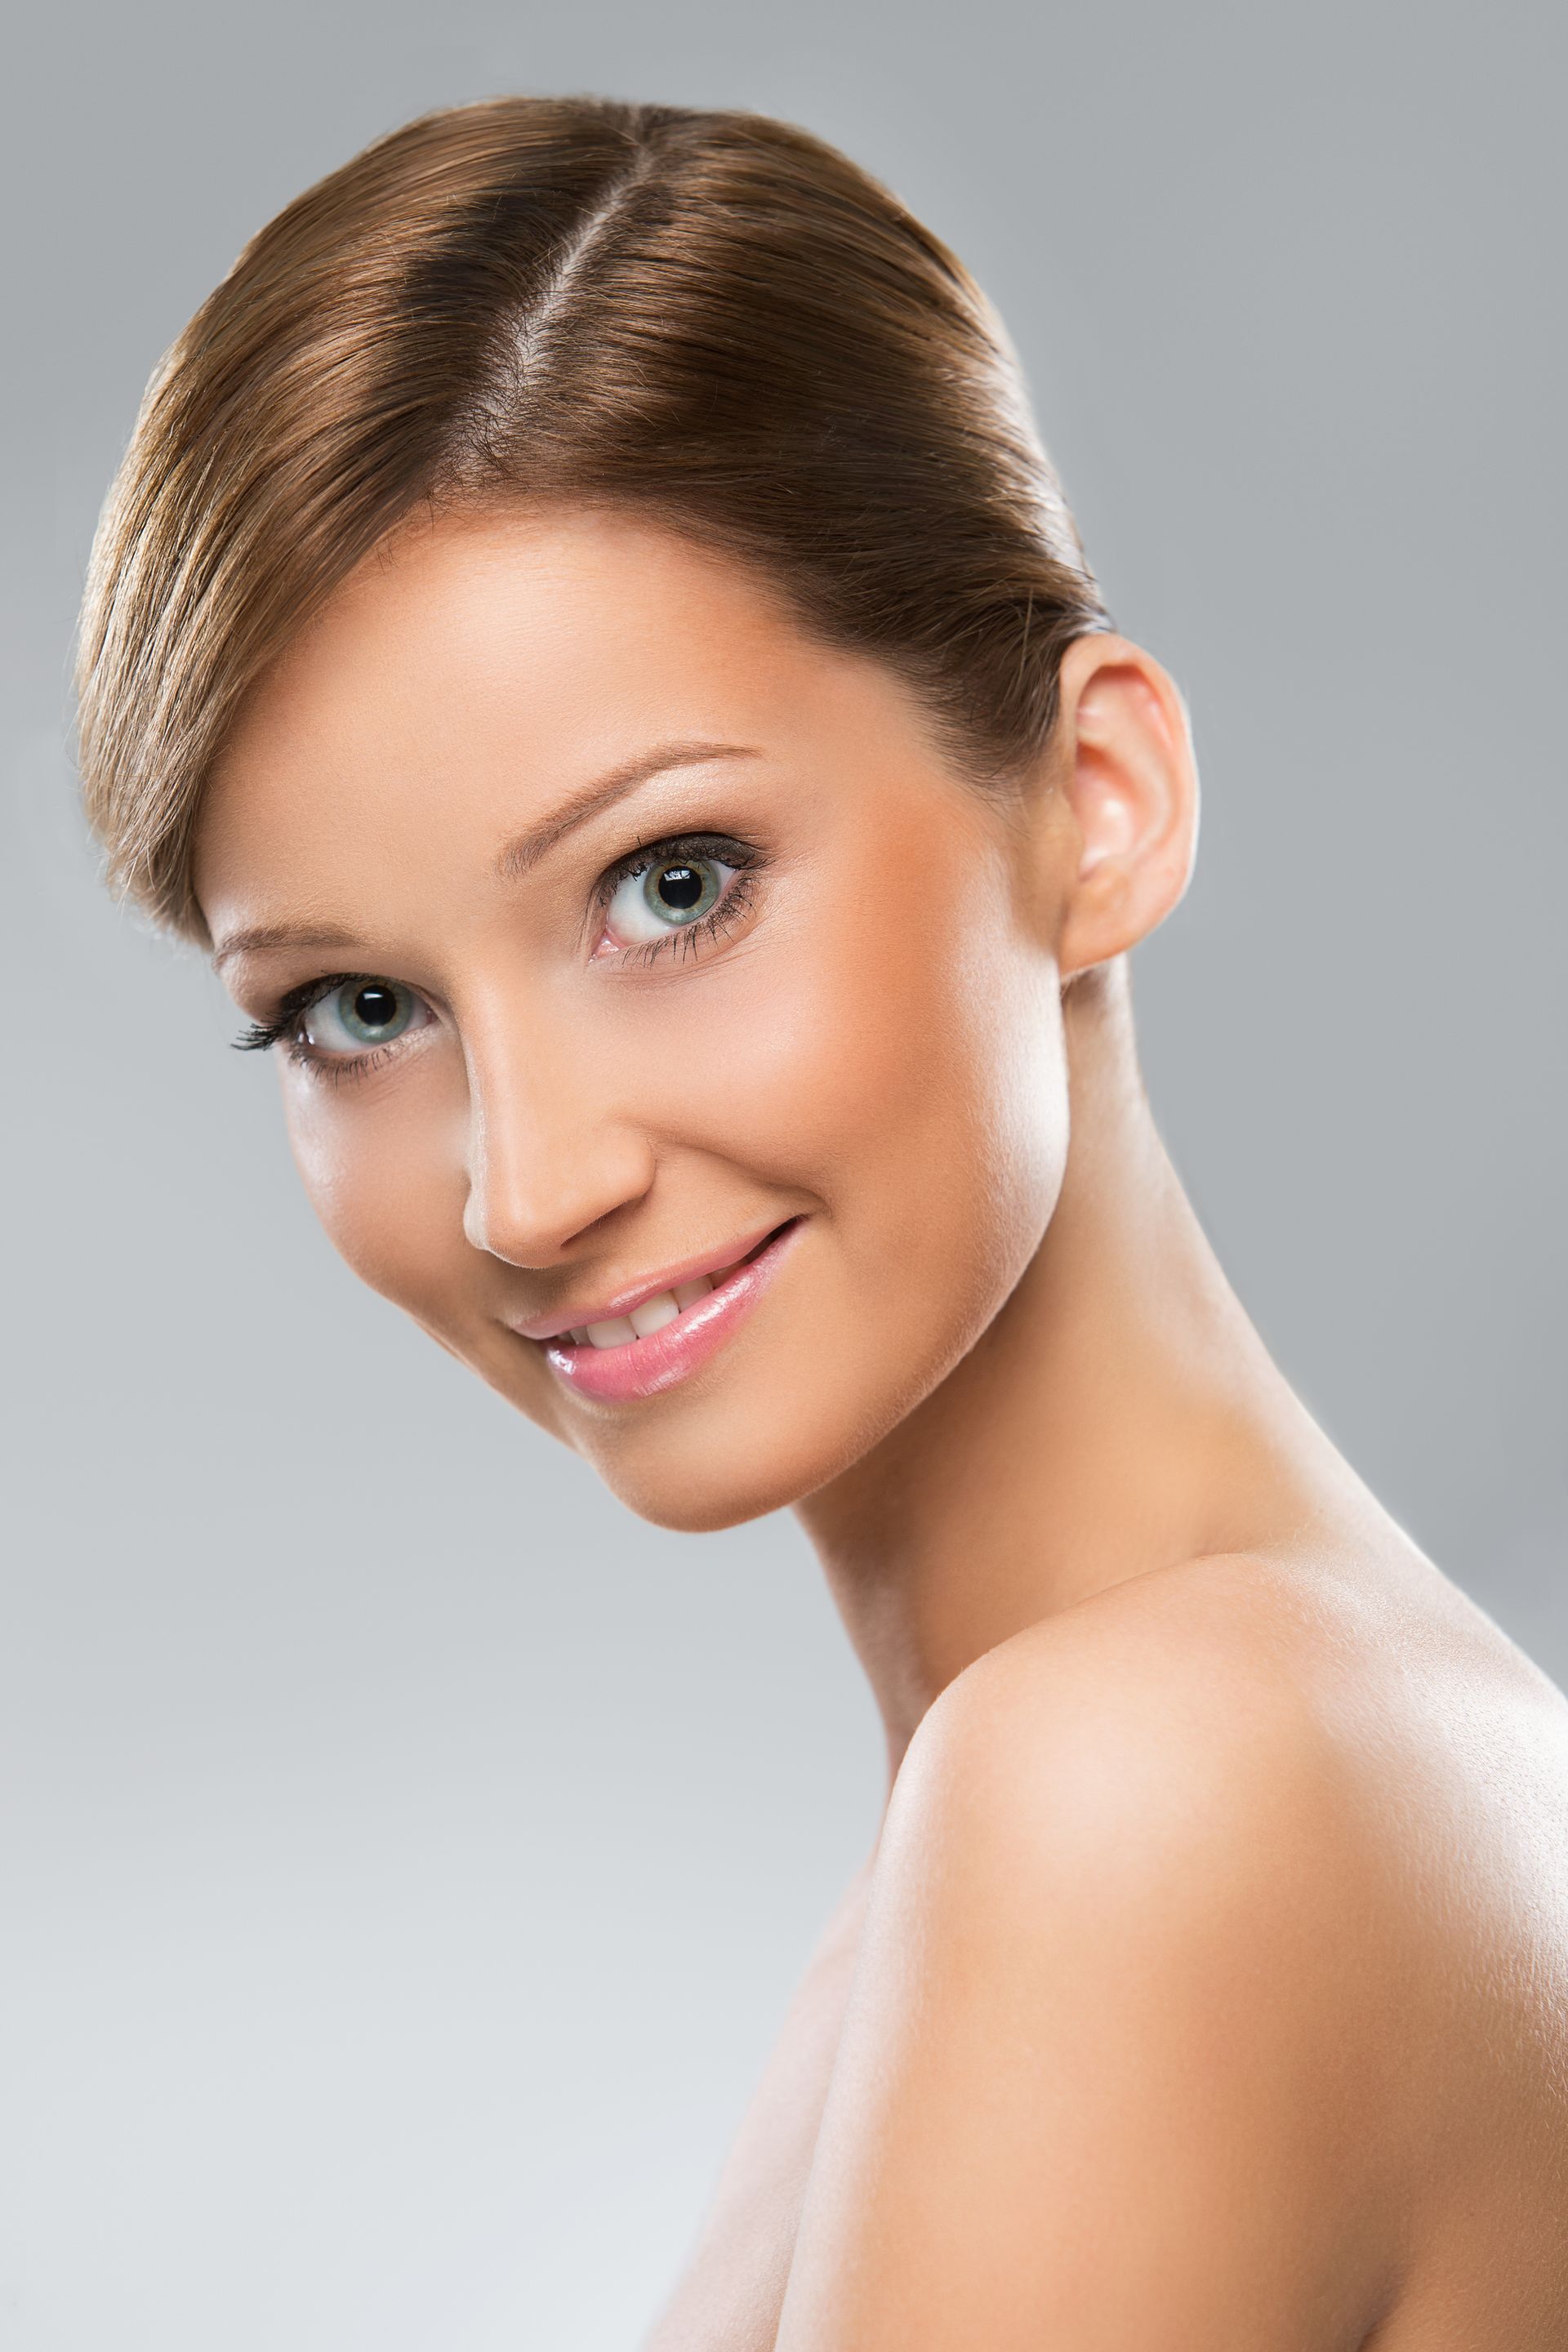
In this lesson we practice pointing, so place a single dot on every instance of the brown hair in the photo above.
(711, 316)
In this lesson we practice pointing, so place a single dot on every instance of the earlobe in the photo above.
(1129, 777)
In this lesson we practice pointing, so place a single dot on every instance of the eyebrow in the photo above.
(524, 851)
(278, 935)
(523, 854)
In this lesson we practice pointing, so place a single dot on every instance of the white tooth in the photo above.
(616, 1333)
(580, 1334)
(687, 1293)
(653, 1314)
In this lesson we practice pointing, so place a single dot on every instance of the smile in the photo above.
(667, 1334)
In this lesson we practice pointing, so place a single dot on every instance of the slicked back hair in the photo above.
(712, 320)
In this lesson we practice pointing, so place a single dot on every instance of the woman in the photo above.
(586, 635)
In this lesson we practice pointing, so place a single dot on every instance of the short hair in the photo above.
(712, 320)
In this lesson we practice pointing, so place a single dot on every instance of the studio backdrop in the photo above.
(405, 1854)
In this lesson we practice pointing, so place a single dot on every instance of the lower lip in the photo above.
(644, 1368)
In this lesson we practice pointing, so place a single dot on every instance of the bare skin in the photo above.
(1209, 1984)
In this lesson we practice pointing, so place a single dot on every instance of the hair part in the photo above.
(712, 318)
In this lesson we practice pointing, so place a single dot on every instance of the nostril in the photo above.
(529, 1226)
(544, 1163)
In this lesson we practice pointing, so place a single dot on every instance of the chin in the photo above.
(762, 1426)
(701, 1488)
(696, 1464)
(722, 1460)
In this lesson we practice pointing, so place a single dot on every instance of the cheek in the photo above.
(907, 1083)
(385, 1172)
(906, 1071)
(389, 1195)
(955, 1104)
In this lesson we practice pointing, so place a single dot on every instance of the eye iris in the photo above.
(373, 1011)
(680, 889)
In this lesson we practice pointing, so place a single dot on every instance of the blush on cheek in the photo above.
(392, 1210)
(908, 1075)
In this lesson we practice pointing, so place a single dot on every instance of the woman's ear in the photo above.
(1126, 771)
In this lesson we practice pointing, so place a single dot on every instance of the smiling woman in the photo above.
(659, 839)
(586, 634)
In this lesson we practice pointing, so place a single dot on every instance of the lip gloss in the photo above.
(644, 1368)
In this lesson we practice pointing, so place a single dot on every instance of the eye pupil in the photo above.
(679, 886)
(669, 893)
(375, 1007)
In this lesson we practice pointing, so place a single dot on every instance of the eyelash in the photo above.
(744, 861)
(283, 1029)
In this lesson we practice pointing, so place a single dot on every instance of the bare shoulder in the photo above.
(1210, 1718)
(1166, 1809)
(1114, 1933)
(1227, 1705)
(1177, 1896)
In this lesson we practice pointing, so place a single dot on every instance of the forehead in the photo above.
(476, 668)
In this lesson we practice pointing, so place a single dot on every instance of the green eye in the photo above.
(361, 1013)
(667, 896)
(681, 892)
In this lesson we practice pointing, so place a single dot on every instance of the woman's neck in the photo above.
(1120, 1414)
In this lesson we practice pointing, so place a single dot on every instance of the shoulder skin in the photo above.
(1122, 2015)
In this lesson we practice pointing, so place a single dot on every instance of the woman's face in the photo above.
(648, 974)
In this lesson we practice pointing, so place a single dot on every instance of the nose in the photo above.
(548, 1157)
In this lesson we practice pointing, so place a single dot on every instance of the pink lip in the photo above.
(557, 1326)
(644, 1367)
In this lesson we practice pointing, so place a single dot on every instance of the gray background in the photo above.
(405, 1852)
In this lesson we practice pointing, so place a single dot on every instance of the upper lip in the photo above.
(621, 1302)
